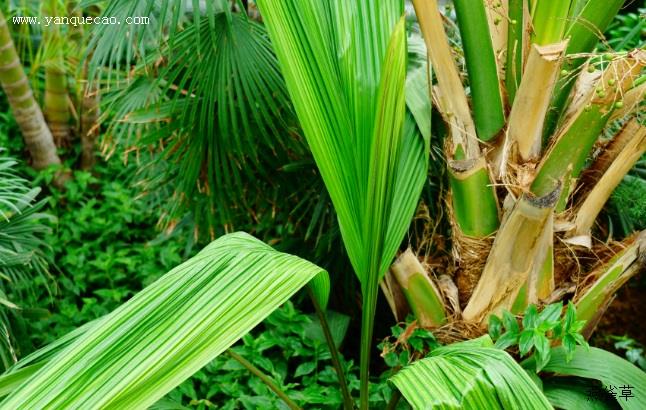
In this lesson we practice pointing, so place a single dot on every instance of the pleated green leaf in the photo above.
(598, 364)
(469, 376)
(135, 355)
(568, 394)
(344, 64)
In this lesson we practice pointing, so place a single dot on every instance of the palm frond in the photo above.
(211, 101)
(344, 64)
(23, 252)
(135, 355)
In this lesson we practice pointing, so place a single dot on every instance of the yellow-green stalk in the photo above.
(608, 278)
(589, 113)
(423, 297)
(519, 244)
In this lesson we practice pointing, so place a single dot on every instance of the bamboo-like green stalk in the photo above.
(421, 293)
(550, 20)
(453, 103)
(56, 105)
(264, 378)
(565, 159)
(481, 67)
(470, 182)
(515, 43)
(608, 279)
(540, 284)
(473, 198)
(584, 29)
(583, 33)
(596, 199)
(89, 128)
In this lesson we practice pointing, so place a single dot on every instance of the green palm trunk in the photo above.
(56, 107)
(29, 117)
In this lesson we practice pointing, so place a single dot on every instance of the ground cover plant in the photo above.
(457, 159)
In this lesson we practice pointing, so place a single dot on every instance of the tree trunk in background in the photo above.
(89, 127)
(56, 107)
(38, 138)
(57, 99)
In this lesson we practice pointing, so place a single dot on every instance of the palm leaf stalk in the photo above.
(479, 54)
(348, 402)
(421, 293)
(517, 38)
(601, 284)
(585, 26)
(625, 160)
(266, 380)
(595, 98)
(30, 119)
(475, 210)
(469, 175)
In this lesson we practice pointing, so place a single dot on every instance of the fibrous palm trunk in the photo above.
(30, 119)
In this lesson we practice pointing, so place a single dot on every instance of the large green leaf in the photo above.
(469, 376)
(598, 364)
(344, 64)
(573, 395)
(133, 356)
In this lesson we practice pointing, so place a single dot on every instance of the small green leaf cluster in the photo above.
(537, 332)
(407, 344)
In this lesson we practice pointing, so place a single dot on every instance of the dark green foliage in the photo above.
(627, 205)
(105, 249)
(633, 350)
(283, 348)
(627, 31)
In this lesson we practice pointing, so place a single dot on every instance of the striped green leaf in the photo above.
(136, 354)
(598, 364)
(469, 376)
(573, 394)
(344, 64)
